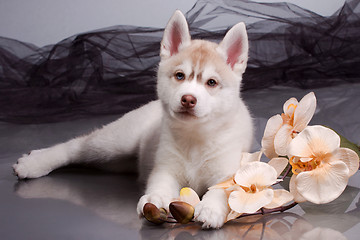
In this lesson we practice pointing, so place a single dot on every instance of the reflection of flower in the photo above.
(323, 233)
(303, 230)
(281, 129)
(321, 168)
(275, 227)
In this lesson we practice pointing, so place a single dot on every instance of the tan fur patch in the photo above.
(201, 52)
(202, 55)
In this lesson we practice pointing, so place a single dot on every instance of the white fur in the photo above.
(197, 148)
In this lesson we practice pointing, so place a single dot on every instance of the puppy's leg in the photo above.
(165, 180)
(117, 140)
(213, 209)
(162, 189)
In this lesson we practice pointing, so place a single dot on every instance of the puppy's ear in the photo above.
(176, 35)
(235, 47)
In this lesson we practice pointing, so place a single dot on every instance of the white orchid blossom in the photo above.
(281, 129)
(321, 168)
(254, 191)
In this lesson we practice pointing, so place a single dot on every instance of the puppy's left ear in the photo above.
(235, 47)
(176, 35)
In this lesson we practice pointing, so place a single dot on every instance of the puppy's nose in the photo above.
(188, 101)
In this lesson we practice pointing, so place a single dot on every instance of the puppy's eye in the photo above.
(179, 76)
(211, 83)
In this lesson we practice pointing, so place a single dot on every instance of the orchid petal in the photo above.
(304, 111)
(314, 140)
(349, 157)
(225, 184)
(281, 197)
(292, 187)
(290, 106)
(189, 196)
(258, 173)
(279, 164)
(251, 157)
(243, 202)
(283, 139)
(272, 127)
(323, 184)
(232, 215)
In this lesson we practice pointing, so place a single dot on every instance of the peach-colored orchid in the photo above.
(254, 191)
(278, 163)
(259, 176)
(281, 129)
(321, 168)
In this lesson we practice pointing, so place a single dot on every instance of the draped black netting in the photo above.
(112, 71)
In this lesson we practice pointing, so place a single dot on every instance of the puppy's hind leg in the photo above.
(119, 139)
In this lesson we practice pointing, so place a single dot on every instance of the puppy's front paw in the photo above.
(210, 214)
(31, 165)
(160, 201)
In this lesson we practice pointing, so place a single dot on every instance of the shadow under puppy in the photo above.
(194, 135)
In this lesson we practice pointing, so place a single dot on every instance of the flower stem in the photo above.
(289, 167)
(287, 172)
(263, 211)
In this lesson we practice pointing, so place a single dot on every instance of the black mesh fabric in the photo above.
(113, 70)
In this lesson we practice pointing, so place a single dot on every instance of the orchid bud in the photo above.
(189, 196)
(182, 211)
(154, 214)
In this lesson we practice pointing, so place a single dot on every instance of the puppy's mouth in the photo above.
(184, 113)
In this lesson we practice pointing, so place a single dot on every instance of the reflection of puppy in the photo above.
(116, 201)
(192, 136)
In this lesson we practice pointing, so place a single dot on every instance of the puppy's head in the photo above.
(197, 79)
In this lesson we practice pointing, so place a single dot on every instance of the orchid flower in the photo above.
(254, 191)
(321, 168)
(245, 159)
(281, 129)
(250, 189)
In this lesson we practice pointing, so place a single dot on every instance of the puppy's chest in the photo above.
(200, 165)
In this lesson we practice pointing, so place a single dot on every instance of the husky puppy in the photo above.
(194, 135)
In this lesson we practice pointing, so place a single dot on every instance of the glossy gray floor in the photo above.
(89, 204)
